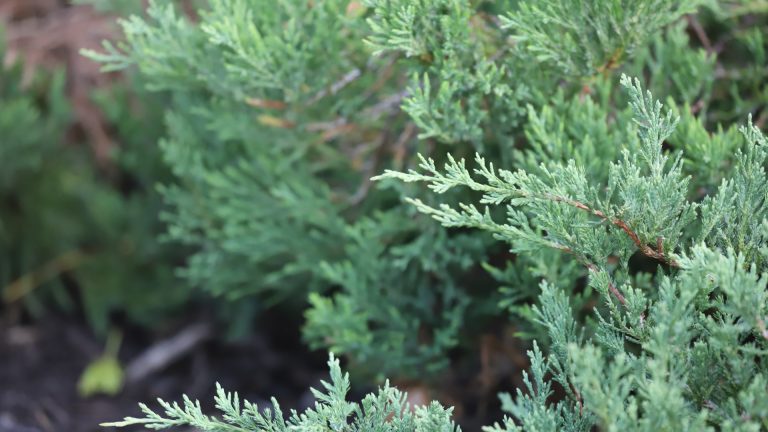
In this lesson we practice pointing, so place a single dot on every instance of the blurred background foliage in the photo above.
(80, 231)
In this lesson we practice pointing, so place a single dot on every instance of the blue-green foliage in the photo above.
(384, 411)
(271, 138)
(611, 203)
(280, 113)
(586, 38)
(686, 353)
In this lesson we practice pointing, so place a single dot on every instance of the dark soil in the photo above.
(41, 363)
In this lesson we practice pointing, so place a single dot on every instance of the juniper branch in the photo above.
(505, 187)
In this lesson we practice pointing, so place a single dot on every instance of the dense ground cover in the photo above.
(250, 171)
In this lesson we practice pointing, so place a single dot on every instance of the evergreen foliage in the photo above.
(585, 38)
(384, 411)
(27, 130)
(637, 229)
(688, 352)
(64, 223)
(282, 204)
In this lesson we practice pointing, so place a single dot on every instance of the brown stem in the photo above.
(266, 103)
(611, 287)
(613, 61)
(644, 248)
(700, 33)
(696, 107)
(593, 268)
(334, 88)
(615, 291)
(578, 397)
(761, 327)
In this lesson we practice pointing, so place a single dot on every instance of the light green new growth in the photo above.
(384, 411)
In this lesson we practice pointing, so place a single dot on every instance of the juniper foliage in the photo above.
(686, 353)
(384, 411)
(267, 202)
(586, 38)
(281, 112)
(613, 205)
